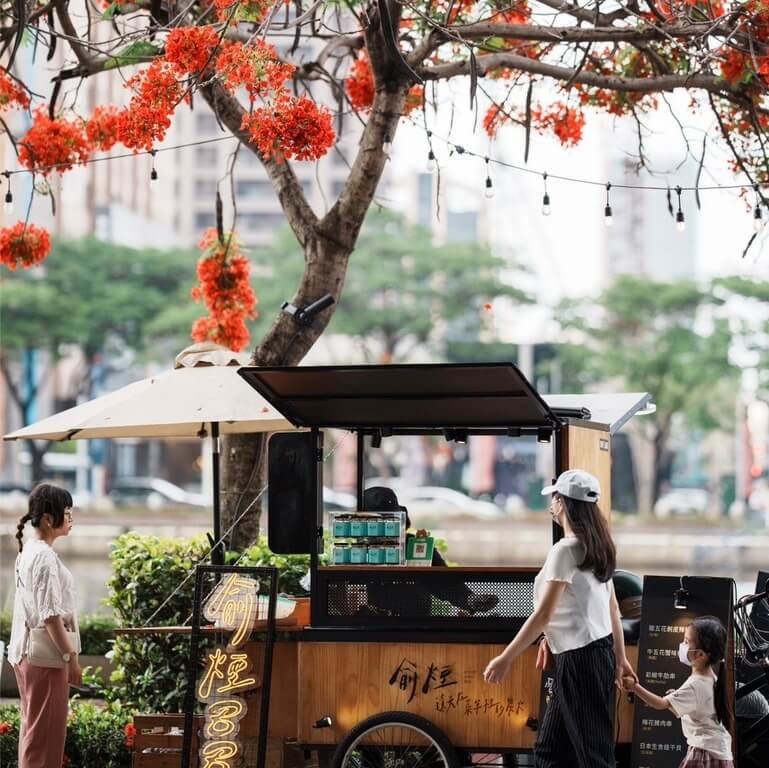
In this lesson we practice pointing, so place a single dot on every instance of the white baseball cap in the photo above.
(576, 484)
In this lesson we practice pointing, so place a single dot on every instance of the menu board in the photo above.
(657, 738)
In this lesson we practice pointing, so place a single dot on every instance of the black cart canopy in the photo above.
(424, 397)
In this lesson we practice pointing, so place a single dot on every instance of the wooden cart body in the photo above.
(346, 668)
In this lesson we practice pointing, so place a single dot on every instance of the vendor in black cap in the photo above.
(382, 499)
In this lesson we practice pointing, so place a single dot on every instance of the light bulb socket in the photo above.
(757, 212)
(8, 198)
(607, 212)
(681, 599)
(680, 217)
(546, 200)
(153, 175)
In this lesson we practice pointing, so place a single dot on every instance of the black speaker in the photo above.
(295, 493)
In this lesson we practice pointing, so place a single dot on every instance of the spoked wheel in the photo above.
(395, 740)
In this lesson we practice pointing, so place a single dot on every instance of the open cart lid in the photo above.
(613, 410)
(424, 396)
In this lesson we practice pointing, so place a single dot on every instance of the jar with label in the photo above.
(341, 528)
(341, 555)
(357, 554)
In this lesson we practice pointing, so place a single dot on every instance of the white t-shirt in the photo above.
(583, 614)
(44, 588)
(693, 704)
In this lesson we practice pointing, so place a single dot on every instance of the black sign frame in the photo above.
(270, 575)
(658, 741)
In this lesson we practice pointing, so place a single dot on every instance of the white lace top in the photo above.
(44, 588)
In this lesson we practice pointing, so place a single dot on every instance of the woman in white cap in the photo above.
(576, 609)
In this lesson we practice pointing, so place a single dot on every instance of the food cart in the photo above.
(388, 670)
(387, 682)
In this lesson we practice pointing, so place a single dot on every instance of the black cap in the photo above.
(381, 499)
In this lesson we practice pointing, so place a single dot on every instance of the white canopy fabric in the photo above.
(176, 403)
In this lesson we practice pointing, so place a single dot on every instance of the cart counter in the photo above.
(426, 598)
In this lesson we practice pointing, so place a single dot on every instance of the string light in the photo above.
(153, 172)
(680, 221)
(608, 217)
(758, 222)
(431, 164)
(387, 146)
(545, 198)
(489, 192)
(8, 207)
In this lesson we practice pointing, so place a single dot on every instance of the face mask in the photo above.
(683, 654)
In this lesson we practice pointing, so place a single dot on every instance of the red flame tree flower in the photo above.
(23, 245)
(224, 288)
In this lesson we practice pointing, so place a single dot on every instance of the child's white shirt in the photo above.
(693, 703)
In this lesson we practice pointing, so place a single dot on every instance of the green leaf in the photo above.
(136, 52)
(112, 10)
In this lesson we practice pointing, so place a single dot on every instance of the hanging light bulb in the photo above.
(545, 198)
(153, 172)
(387, 146)
(8, 206)
(608, 217)
(431, 164)
(758, 222)
(680, 221)
(489, 191)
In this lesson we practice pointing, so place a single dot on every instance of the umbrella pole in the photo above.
(217, 556)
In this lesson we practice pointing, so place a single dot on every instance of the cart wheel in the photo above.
(395, 740)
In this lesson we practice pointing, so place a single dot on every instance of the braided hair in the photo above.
(44, 499)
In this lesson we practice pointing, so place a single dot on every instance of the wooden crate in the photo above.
(165, 750)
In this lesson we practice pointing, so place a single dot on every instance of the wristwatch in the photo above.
(66, 657)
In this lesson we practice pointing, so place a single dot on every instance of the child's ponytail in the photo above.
(721, 698)
(711, 639)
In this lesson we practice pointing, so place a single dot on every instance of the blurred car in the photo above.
(435, 502)
(153, 493)
(13, 496)
(338, 501)
(682, 502)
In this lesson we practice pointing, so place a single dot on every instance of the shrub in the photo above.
(150, 671)
(95, 736)
(9, 735)
(97, 634)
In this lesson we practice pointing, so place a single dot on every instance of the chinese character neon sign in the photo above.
(227, 671)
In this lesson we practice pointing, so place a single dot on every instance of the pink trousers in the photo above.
(44, 696)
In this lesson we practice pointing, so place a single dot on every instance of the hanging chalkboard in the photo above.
(657, 738)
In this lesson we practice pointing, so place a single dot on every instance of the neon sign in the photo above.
(228, 671)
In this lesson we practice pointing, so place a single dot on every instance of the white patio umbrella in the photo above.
(202, 395)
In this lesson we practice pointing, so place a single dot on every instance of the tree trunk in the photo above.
(36, 463)
(662, 464)
(327, 245)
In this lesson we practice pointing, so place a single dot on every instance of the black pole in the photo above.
(360, 467)
(217, 556)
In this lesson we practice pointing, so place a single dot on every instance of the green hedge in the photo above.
(95, 736)
(96, 633)
(150, 671)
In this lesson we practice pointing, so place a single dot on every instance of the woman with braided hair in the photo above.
(45, 598)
